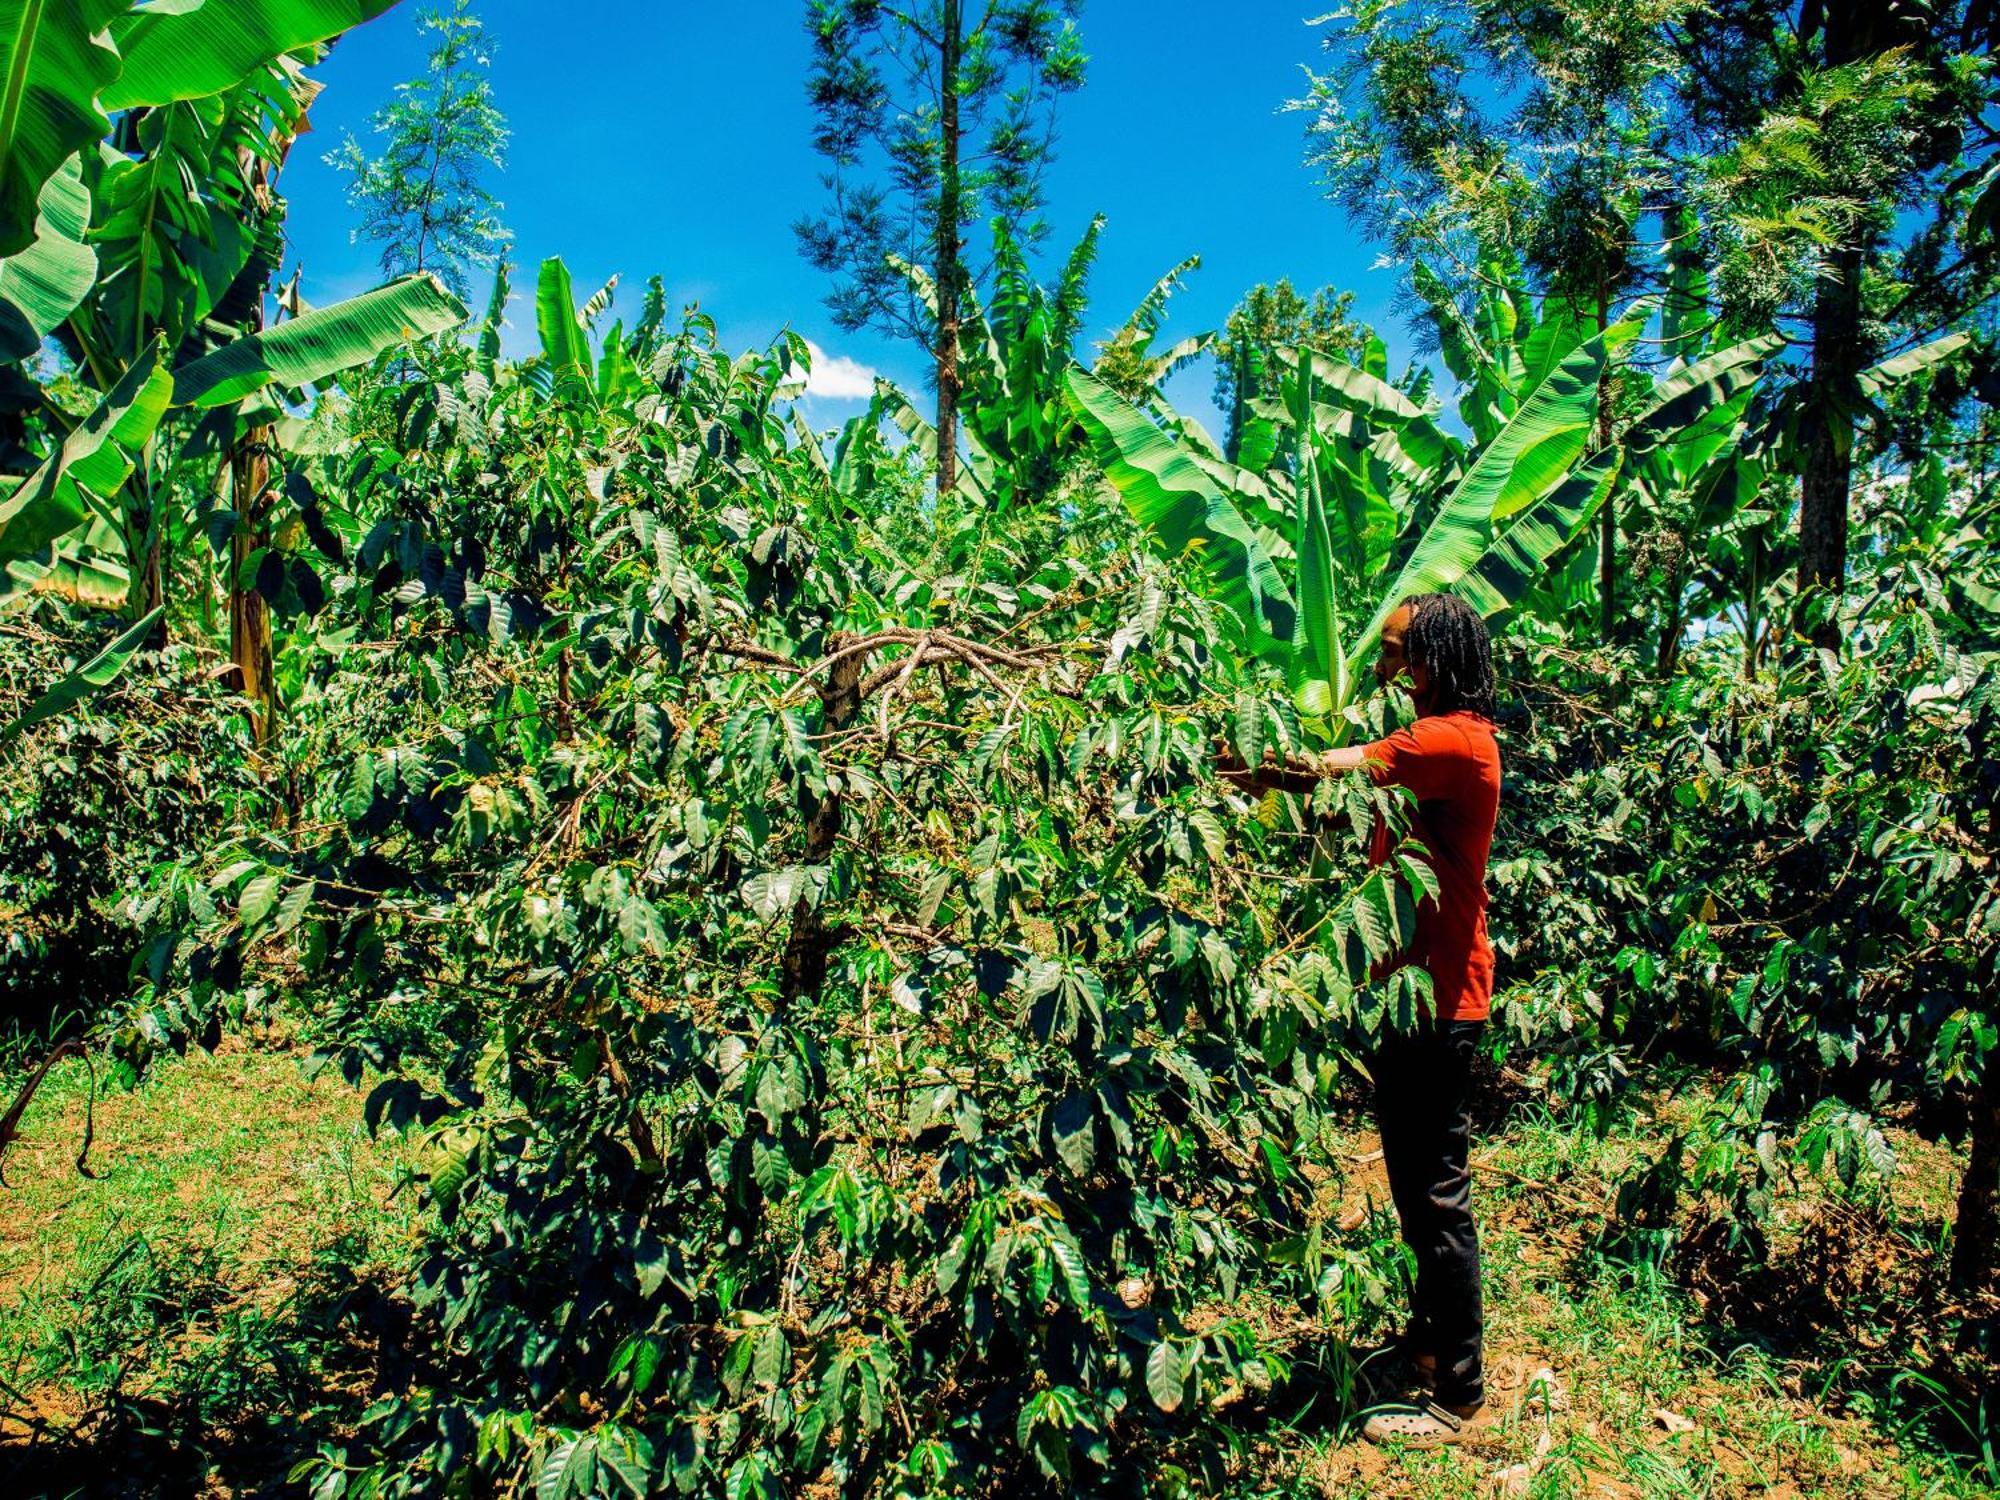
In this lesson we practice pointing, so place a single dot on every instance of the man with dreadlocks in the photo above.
(1451, 765)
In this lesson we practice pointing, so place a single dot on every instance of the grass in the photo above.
(203, 1303)
(221, 1297)
(1660, 1392)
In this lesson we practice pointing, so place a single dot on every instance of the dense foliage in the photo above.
(778, 876)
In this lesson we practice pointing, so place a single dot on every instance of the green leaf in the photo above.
(260, 895)
(1249, 728)
(43, 284)
(772, 1358)
(48, 504)
(488, 347)
(569, 1469)
(321, 343)
(640, 926)
(357, 793)
(1515, 559)
(1529, 457)
(564, 344)
(1170, 495)
(626, 1457)
(773, 892)
(97, 673)
(182, 51)
(1166, 1376)
(1878, 378)
(1687, 393)
(1073, 1123)
(54, 61)
(1319, 666)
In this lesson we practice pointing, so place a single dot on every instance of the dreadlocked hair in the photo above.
(1448, 639)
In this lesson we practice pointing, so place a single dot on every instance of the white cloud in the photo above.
(835, 377)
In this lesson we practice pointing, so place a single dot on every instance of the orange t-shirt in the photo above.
(1451, 765)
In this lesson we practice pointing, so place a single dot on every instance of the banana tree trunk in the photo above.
(947, 270)
(249, 615)
(1667, 655)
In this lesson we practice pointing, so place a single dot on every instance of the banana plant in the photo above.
(1379, 493)
(1015, 345)
(68, 65)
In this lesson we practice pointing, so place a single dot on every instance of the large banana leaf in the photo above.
(320, 343)
(43, 284)
(564, 344)
(183, 51)
(1699, 405)
(1514, 559)
(49, 503)
(1319, 666)
(1532, 453)
(1878, 378)
(486, 353)
(54, 61)
(1685, 394)
(93, 676)
(1168, 493)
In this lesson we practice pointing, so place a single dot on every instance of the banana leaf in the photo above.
(1514, 560)
(55, 60)
(93, 676)
(191, 51)
(43, 284)
(1878, 378)
(50, 502)
(1168, 493)
(486, 353)
(1534, 452)
(564, 344)
(1319, 666)
(321, 343)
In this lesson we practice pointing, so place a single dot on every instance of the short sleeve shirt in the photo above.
(1451, 764)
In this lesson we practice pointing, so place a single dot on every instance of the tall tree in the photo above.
(1835, 131)
(1267, 317)
(932, 115)
(1477, 130)
(424, 199)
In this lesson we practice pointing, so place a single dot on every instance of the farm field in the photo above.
(937, 849)
(218, 1301)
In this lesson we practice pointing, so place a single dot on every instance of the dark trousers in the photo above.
(1422, 1094)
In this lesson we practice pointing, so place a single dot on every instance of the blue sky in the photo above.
(675, 138)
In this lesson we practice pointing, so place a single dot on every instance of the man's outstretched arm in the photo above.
(1294, 773)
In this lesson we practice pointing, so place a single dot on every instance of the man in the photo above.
(1451, 765)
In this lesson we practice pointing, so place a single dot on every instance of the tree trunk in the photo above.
(946, 272)
(1828, 476)
(249, 616)
(1667, 655)
(249, 459)
(1607, 545)
(153, 581)
(803, 970)
(1978, 1224)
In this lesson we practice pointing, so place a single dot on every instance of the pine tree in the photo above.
(423, 199)
(1267, 317)
(969, 137)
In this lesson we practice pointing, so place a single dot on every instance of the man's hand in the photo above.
(1292, 773)
(1232, 768)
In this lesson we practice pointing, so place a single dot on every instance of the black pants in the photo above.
(1422, 1090)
